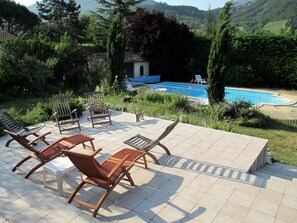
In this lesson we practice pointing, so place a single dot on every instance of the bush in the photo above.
(241, 112)
(181, 102)
(35, 115)
(96, 71)
(157, 97)
(42, 112)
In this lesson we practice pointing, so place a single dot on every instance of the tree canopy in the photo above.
(59, 17)
(166, 43)
(17, 19)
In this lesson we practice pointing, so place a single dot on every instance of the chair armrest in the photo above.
(87, 108)
(74, 112)
(96, 151)
(39, 138)
(55, 143)
(119, 165)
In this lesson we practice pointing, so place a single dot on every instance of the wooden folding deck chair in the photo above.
(140, 142)
(10, 124)
(65, 118)
(50, 152)
(99, 111)
(106, 175)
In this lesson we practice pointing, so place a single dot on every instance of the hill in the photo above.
(258, 13)
(247, 14)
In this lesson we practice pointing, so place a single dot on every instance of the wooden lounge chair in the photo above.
(99, 111)
(10, 124)
(50, 152)
(140, 142)
(65, 118)
(106, 175)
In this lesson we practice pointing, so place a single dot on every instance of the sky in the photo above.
(200, 4)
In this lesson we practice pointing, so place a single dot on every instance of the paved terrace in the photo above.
(206, 179)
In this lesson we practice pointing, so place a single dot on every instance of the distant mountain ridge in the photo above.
(248, 14)
(87, 5)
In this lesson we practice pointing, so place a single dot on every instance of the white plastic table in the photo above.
(59, 167)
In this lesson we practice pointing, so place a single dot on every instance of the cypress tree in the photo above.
(217, 61)
(116, 50)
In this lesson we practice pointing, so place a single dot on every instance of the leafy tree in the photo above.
(71, 62)
(110, 9)
(60, 17)
(26, 67)
(41, 47)
(35, 74)
(17, 19)
(96, 71)
(116, 51)
(96, 32)
(164, 42)
(105, 15)
(220, 47)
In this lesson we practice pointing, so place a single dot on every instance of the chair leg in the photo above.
(102, 199)
(165, 148)
(8, 142)
(34, 169)
(79, 126)
(153, 157)
(109, 190)
(21, 162)
(144, 161)
(75, 192)
(127, 174)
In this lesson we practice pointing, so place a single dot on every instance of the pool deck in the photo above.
(211, 176)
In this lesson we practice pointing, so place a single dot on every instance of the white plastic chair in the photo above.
(200, 80)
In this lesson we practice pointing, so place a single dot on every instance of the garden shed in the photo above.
(136, 66)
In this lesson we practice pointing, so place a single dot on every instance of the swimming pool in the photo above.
(231, 95)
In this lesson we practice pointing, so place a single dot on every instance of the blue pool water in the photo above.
(198, 91)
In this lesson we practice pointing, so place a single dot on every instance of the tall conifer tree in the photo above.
(217, 62)
(116, 50)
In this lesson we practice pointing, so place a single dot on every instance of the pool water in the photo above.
(231, 95)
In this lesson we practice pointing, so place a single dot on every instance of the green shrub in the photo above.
(253, 118)
(17, 114)
(181, 102)
(35, 115)
(157, 97)
(96, 71)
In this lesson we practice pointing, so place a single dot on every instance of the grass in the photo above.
(276, 26)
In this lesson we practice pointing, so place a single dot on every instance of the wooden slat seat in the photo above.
(65, 118)
(143, 143)
(98, 110)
